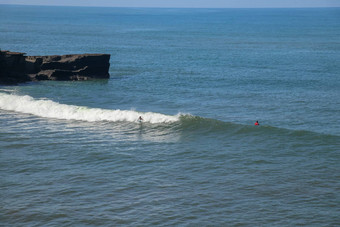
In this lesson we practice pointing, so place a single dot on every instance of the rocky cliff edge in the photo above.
(17, 68)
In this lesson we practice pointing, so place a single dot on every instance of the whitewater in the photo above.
(50, 109)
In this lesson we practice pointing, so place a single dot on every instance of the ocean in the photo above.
(74, 154)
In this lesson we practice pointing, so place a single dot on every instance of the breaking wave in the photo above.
(50, 109)
(186, 124)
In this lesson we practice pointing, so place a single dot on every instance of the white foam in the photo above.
(50, 109)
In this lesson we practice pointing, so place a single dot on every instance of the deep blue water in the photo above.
(73, 153)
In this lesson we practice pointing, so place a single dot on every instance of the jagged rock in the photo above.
(18, 68)
(12, 68)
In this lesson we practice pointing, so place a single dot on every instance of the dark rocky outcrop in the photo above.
(18, 68)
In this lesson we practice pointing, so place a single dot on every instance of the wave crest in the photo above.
(50, 109)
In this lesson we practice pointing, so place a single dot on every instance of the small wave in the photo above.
(50, 109)
(6, 90)
(207, 125)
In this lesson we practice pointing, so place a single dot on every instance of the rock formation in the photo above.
(18, 68)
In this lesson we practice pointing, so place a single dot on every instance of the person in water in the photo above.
(257, 123)
(140, 118)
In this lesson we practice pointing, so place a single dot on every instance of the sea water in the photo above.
(75, 154)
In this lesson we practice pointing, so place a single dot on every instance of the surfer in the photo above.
(140, 119)
(257, 123)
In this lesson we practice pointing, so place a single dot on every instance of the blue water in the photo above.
(74, 154)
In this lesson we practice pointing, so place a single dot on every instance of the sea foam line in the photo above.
(50, 109)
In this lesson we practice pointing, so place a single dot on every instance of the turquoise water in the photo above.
(73, 153)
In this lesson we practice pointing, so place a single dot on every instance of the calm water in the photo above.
(73, 153)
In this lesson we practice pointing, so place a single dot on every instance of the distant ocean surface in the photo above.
(74, 153)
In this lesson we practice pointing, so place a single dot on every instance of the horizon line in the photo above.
(173, 7)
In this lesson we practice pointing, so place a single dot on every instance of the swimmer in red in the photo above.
(257, 123)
